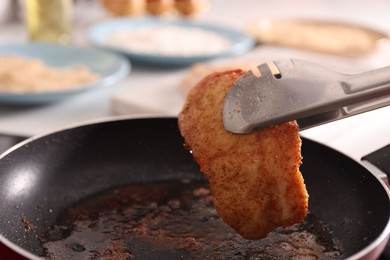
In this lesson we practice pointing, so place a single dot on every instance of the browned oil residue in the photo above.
(174, 220)
(27, 224)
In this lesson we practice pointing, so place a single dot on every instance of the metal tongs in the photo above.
(303, 91)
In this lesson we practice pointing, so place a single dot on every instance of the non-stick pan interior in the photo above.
(44, 176)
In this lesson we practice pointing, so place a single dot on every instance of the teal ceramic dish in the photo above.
(99, 35)
(110, 67)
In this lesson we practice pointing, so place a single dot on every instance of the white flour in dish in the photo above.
(169, 40)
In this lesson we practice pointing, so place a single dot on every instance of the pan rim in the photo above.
(5, 241)
(85, 123)
(381, 240)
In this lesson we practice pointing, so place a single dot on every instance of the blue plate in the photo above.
(110, 67)
(99, 34)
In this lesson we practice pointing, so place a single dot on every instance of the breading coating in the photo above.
(254, 178)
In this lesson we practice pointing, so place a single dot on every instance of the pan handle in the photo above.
(380, 160)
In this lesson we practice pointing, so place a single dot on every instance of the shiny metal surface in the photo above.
(285, 90)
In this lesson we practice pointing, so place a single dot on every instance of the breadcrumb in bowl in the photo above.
(19, 74)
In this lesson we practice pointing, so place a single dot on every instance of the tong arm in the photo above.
(302, 91)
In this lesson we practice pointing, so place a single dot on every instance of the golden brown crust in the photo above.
(158, 7)
(125, 7)
(254, 178)
(190, 7)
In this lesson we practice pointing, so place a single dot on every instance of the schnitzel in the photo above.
(254, 178)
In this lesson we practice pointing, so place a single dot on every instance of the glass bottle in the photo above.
(49, 20)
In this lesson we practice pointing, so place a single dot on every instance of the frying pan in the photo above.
(42, 176)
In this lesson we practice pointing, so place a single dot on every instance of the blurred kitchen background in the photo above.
(276, 27)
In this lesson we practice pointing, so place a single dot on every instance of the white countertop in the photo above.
(154, 90)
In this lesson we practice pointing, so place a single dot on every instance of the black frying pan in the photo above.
(43, 176)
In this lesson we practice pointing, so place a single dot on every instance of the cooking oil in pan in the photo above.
(174, 220)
